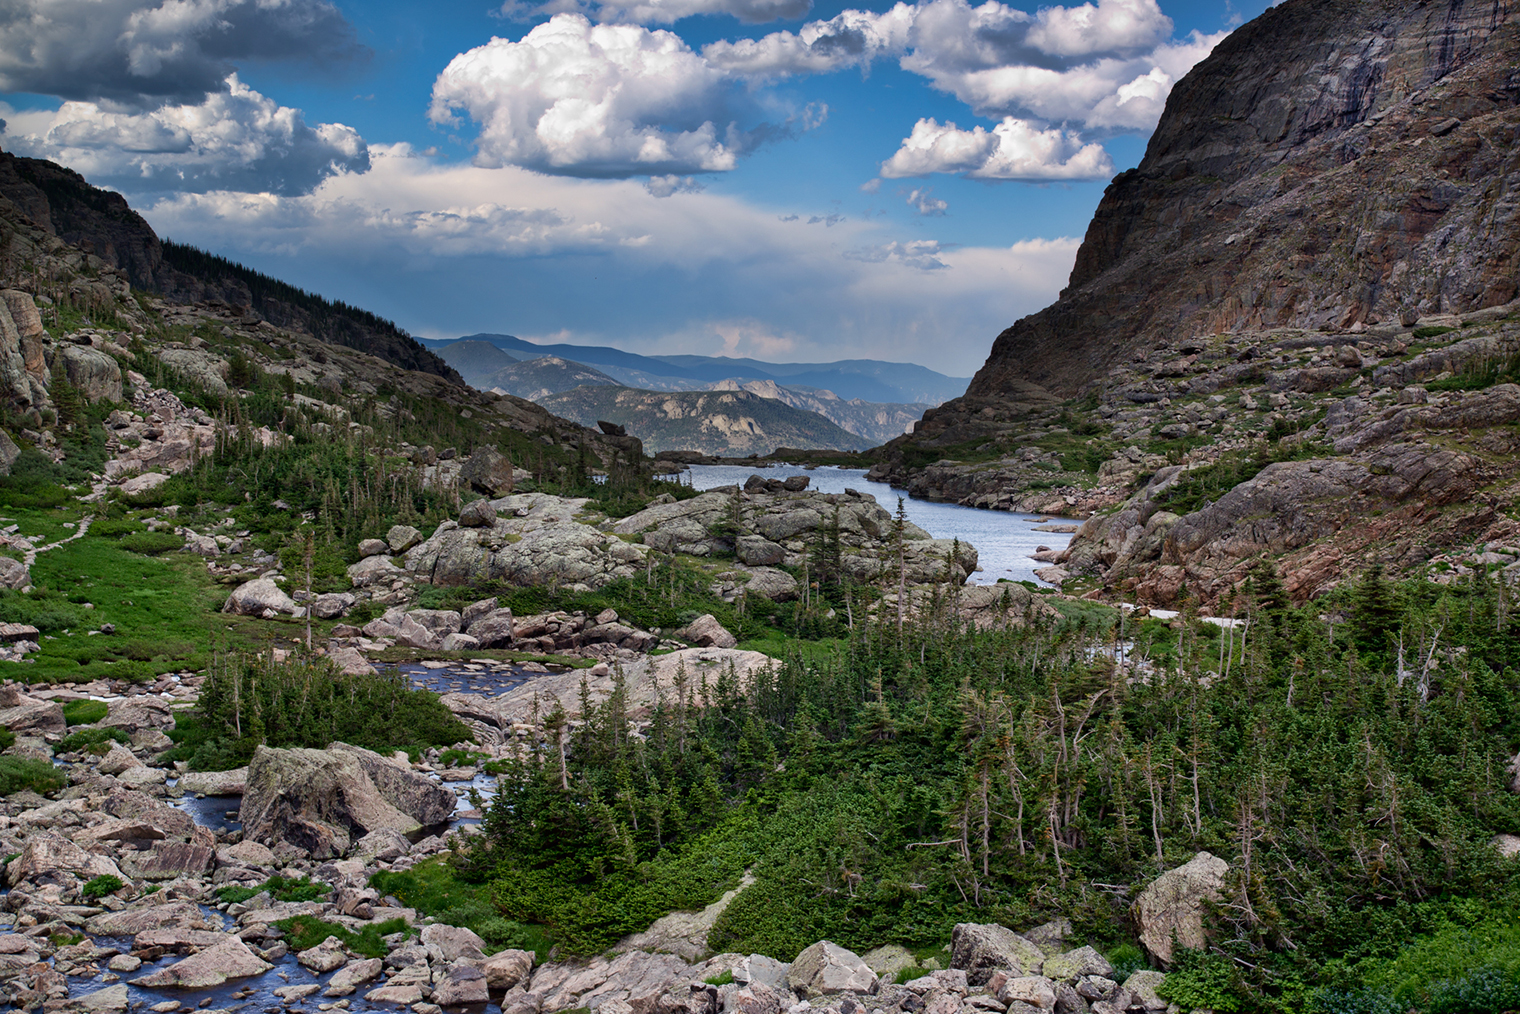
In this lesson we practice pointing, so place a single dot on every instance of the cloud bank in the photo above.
(677, 267)
(138, 54)
(236, 139)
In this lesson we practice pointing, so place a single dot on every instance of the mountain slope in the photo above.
(1332, 163)
(537, 379)
(868, 379)
(475, 361)
(1291, 335)
(61, 203)
(733, 423)
(874, 421)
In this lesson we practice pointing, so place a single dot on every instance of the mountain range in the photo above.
(866, 379)
(820, 413)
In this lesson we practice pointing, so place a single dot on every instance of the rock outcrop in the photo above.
(1332, 162)
(322, 800)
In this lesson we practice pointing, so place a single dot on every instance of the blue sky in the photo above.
(743, 177)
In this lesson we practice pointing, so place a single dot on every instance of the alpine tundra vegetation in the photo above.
(331, 682)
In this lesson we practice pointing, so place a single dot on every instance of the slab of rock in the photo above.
(706, 632)
(351, 662)
(982, 948)
(211, 967)
(506, 969)
(401, 538)
(332, 605)
(215, 783)
(134, 714)
(117, 760)
(489, 471)
(146, 916)
(1072, 965)
(324, 957)
(403, 996)
(462, 985)
(683, 933)
(372, 547)
(1034, 990)
(52, 858)
(30, 716)
(459, 642)
(889, 959)
(382, 846)
(447, 944)
(353, 975)
(171, 859)
(320, 800)
(1508, 845)
(104, 1001)
(825, 969)
(1173, 904)
(254, 598)
(246, 853)
(496, 629)
(1142, 986)
(374, 570)
(478, 514)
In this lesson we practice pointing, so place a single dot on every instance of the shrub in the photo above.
(1127, 959)
(7, 738)
(84, 712)
(1200, 979)
(17, 773)
(279, 888)
(85, 739)
(101, 886)
(151, 543)
(303, 932)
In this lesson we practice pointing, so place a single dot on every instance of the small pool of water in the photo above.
(1003, 540)
(484, 678)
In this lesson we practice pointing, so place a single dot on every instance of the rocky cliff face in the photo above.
(1334, 163)
(1325, 222)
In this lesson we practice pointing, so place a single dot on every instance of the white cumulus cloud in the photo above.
(1012, 150)
(677, 270)
(663, 12)
(593, 100)
(1103, 66)
(142, 53)
(234, 139)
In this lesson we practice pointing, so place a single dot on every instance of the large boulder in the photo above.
(983, 948)
(215, 783)
(706, 632)
(258, 597)
(52, 858)
(14, 573)
(374, 570)
(322, 800)
(505, 969)
(477, 514)
(95, 374)
(1172, 906)
(230, 959)
(489, 471)
(825, 968)
(1072, 965)
(30, 716)
(447, 944)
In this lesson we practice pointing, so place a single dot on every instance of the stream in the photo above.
(1003, 540)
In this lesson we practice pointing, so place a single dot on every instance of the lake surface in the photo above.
(1003, 540)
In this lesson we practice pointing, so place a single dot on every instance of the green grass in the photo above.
(151, 543)
(17, 774)
(433, 889)
(165, 611)
(84, 712)
(279, 888)
(303, 932)
(7, 738)
(87, 739)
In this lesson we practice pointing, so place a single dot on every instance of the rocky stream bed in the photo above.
(164, 941)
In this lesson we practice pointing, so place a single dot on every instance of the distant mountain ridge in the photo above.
(865, 379)
(735, 423)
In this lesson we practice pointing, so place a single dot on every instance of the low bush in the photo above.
(101, 886)
(151, 543)
(279, 888)
(303, 932)
(17, 773)
(86, 739)
(433, 889)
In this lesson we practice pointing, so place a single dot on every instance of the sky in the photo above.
(792, 180)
